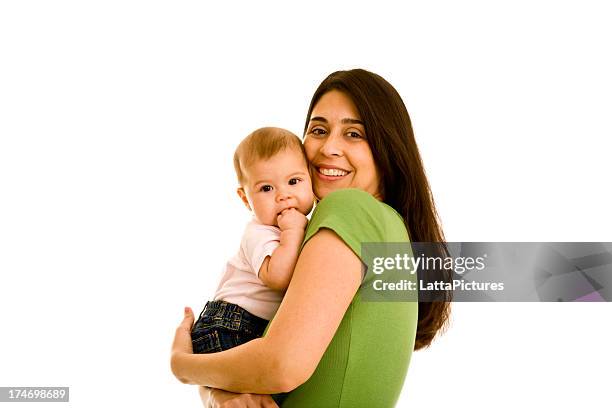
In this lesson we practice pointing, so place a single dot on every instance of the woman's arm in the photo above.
(326, 278)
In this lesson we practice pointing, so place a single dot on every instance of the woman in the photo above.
(326, 346)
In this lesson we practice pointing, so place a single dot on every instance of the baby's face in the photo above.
(276, 184)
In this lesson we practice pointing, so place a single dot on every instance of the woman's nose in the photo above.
(332, 145)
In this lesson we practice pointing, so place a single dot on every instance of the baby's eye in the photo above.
(294, 181)
(266, 188)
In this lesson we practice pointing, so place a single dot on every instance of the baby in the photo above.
(275, 186)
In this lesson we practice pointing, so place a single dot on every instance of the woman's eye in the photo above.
(317, 131)
(266, 188)
(294, 181)
(355, 135)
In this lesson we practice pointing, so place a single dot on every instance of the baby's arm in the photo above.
(277, 269)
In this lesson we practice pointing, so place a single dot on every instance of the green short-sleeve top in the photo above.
(366, 362)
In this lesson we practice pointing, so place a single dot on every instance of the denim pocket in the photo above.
(206, 342)
(223, 325)
(218, 322)
(220, 319)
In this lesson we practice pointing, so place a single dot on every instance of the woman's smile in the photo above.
(330, 173)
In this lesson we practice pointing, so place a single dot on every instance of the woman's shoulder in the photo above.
(349, 193)
(354, 204)
(356, 216)
(348, 200)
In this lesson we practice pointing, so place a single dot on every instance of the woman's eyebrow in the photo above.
(352, 121)
(344, 121)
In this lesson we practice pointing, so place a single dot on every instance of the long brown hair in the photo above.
(404, 185)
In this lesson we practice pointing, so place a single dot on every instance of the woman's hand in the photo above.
(182, 343)
(216, 398)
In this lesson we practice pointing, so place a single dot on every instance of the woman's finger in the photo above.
(269, 403)
(182, 336)
(225, 399)
(188, 318)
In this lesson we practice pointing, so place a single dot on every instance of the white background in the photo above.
(118, 120)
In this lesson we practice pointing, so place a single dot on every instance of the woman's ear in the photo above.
(243, 197)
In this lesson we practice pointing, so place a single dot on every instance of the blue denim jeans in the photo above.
(223, 325)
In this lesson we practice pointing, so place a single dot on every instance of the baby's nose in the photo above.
(283, 196)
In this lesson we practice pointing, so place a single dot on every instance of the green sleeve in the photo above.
(354, 215)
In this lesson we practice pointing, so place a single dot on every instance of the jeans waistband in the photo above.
(221, 308)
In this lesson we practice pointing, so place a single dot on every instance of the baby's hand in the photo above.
(292, 219)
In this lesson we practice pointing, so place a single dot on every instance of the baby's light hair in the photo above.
(263, 144)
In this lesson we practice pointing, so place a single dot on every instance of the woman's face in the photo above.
(337, 147)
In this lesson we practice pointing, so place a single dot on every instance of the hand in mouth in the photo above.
(283, 210)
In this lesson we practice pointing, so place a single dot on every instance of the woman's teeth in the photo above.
(333, 172)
